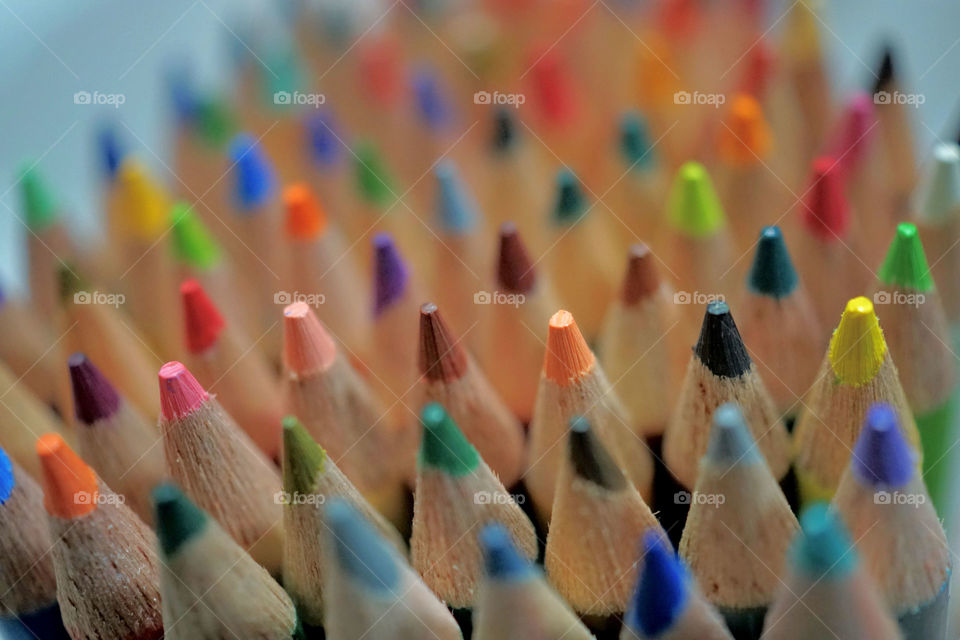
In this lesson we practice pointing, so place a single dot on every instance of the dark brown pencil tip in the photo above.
(642, 278)
(590, 459)
(441, 357)
(514, 270)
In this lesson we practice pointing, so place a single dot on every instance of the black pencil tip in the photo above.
(720, 347)
(886, 71)
(590, 459)
(504, 130)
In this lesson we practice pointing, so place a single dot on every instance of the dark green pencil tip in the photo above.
(444, 446)
(772, 273)
(906, 265)
(303, 458)
(178, 519)
(70, 281)
(570, 204)
(214, 123)
(39, 208)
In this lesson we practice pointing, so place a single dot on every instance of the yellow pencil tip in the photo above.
(857, 347)
(143, 201)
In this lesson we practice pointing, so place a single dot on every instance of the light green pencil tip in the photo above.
(373, 182)
(39, 207)
(444, 446)
(303, 458)
(693, 206)
(906, 265)
(193, 244)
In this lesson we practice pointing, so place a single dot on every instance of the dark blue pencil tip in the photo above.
(360, 551)
(7, 481)
(662, 590)
(183, 98)
(324, 137)
(881, 456)
(390, 273)
(432, 105)
(823, 547)
(501, 557)
(772, 273)
(253, 174)
(457, 210)
(635, 147)
(111, 150)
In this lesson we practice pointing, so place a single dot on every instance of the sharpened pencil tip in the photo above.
(745, 137)
(180, 393)
(442, 357)
(568, 357)
(39, 207)
(772, 273)
(359, 550)
(881, 456)
(324, 139)
(203, 321)
(719, 346)
(253, 173)
(444, 447)
(8, 481)
(635, 146)
(457, 211)
(373, 182)
(693, 207)
(305, 218)
(70, 486)
(569, 202)
(303, 458)
(515, 271)
(857, 347)
(94, 398)
(178, 518)
(390, 273)
(823, 547)
(730, 439)
(940, 194)
(590, 459)
(192, 242)
(642, 279)
(501, 557)
(307, 347)
(906, 264)
(662, 589)
(430, 97)
(825, 211)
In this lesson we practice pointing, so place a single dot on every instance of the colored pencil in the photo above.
(515, 602)
(826, 593)
(573, 383)
(666, 604)
(108, 337)
(778, 323)
(597, 518)
(310, 480)
(885, 505)
(342, 413)
(370, 591)
(28, 604)
(908, 305)
(633, 348)
(937, 215)
(739, 527)
(894, 133)
(104, 556)
(639, 181)
(321, 269)
(329, 170)
(211, 458)
(450, 376)
(456, 491)
(211, 587)
(720, 370)
(227, 362)
(857, 371)
(114, 437)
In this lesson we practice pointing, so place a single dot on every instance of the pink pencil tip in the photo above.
(307, 347)
(180, 393)
(854, 131)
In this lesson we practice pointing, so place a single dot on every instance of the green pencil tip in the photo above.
(214, 122)
(39, 207)
(570, 204)
(444, 446)
(373, 182)
(192, 242)
(693, 206)
(178, 519)
(303, 458)
(906, 265)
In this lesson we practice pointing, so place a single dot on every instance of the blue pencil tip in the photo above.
(730, 437)
(360, 551)
(183, 98)
(457, 210)
(501, 557)
(881, 455)
(111, 150)
(823, 547)
(323, 136)
(432, 105)
(7, 481)
(253, 173)
(662, 589)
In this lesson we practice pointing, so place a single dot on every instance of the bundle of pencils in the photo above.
(479, 320)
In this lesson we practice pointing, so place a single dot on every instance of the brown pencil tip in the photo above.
(568, 358)
(642, 278)
(441, 357)
(514, 270)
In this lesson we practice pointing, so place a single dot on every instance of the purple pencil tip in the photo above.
(881, 456)
(391, 273)
(93, 395)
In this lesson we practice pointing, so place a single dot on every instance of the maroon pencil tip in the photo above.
(642, 279)
(94, 398)
(441, 357)
(515, 272)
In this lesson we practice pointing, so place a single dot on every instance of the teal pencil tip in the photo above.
(906, 264)
(570, 204)
(635, 147)
(457, 209)
(178, 519)
(772, 273)
(823, 547)
(444, 447)
(360, 551)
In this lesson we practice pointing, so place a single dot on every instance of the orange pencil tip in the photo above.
(307, 347)
(568, 358)
(306, 218)
(70, 486)
(744, 136)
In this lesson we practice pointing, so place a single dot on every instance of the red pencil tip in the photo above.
(203, 321)
(441, 356)
(826, 212)
(553, 89)
(307, 347)
(180, 393)
(381, 70)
